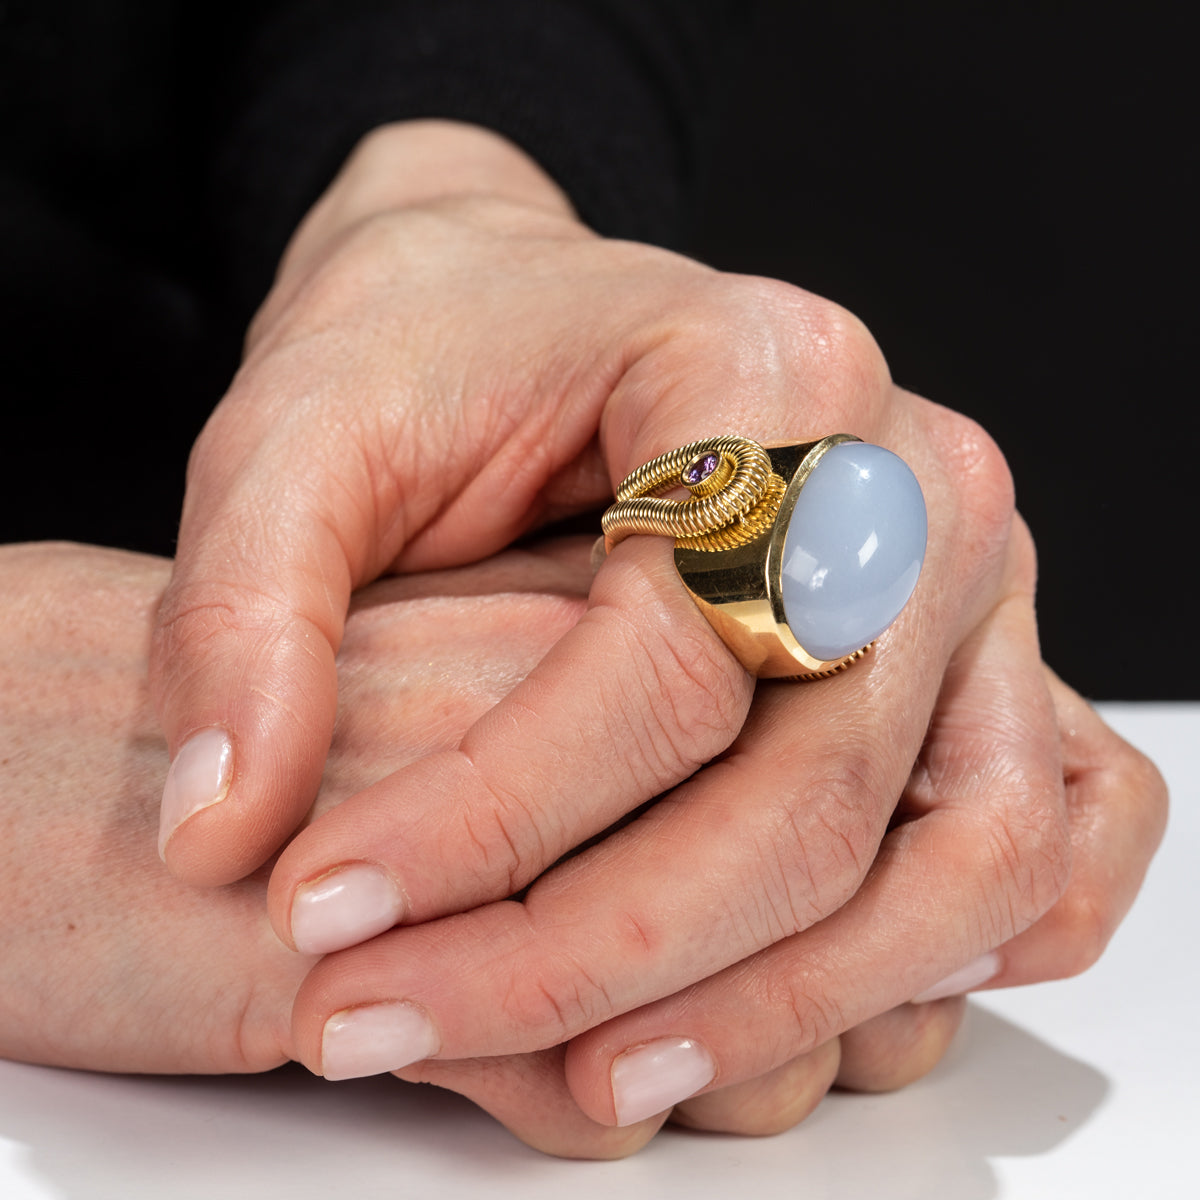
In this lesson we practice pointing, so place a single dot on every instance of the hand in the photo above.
(121, 990)
(109, 963)
(646, 351)
(434, 374)
(112, 965)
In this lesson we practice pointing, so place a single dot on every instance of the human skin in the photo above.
(449, 359)
(112, 965)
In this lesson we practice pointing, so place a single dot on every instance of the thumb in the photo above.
(242, 663)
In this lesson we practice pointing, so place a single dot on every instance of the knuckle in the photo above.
(1144, 782)
(235, 626)
(1084, 922)
(979, 475)
(337, 285)
(700, 707)
(187, 623)
(235, 429)
(693, 698)
(1023, 560)
(1029, 855)
(835, 371)
(209, 464)
(204, 609)
(789, 1012)
(510, 839)
(1093, 904)
(817, 853)
(555, 1003)
(810, 1017)
(830, 351)
(843, 346)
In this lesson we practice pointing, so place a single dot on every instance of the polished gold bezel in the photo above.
(740, 590)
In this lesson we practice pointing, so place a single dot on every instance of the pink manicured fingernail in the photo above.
(978, 971)
(375, 1038)
(199, 778)
(344, 907)
(649, 1079)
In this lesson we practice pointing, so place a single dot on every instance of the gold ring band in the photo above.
(731, 532)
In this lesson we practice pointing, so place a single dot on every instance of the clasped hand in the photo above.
(768, 875)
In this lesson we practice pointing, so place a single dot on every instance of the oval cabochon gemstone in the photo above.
(853, 549)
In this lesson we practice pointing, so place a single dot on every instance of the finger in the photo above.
(885, 1053)
(1117, 810)
(528, 1096)
(771, 1104)
(243, 657)
(988, 856)
(899, 1046)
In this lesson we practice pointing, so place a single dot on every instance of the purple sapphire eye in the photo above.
(700, 468)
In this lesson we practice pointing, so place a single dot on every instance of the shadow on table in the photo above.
(90, 1137)
(1000, 1093)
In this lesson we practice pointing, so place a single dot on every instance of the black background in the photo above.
(1006, 198)
(1004, 194)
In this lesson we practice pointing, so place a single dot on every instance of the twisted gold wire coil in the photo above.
(744, 504)
(837, 668)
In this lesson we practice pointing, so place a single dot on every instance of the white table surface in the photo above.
(1087, 1088)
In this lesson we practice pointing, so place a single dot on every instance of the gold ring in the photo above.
(798, 555)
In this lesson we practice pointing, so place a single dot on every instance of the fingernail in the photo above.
(199, 778)
(344, 907)
(650, 1079)
(375, 1038)
(978, 971)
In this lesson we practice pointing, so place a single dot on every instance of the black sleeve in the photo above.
(611, 97)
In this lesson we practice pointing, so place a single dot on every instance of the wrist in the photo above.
(413, 164)
(418, 162)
